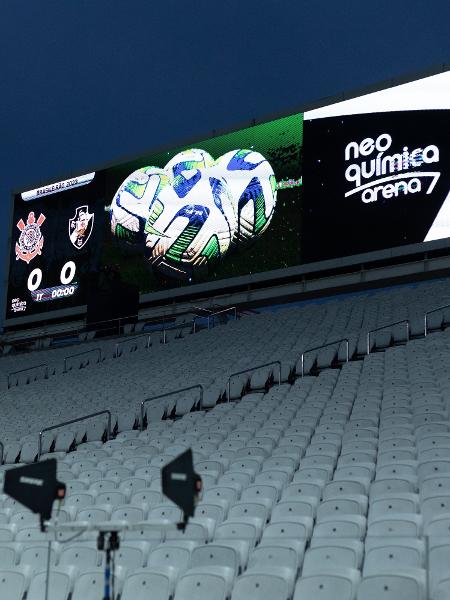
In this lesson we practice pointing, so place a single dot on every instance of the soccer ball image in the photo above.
(186, 217)
(185, 169)
(252, 183)
(132, 203)
(188, 160)
(190, 226)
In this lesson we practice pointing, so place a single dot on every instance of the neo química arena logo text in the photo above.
(376, 174)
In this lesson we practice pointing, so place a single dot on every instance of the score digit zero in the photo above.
(67, 274)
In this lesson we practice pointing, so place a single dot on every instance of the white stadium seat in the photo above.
(328, 585)
(142, 583)
(392, 586)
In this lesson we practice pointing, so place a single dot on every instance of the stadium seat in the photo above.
(328, 585)
(345, 526)
(259, 586)
(13, 583)
(91, 583)
(322, 558)
(392, 586)
(356, 547)
(216, 555)
(143, 583)
(60, 583)
(391, 558)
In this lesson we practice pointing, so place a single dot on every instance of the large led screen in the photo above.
(355, 176)
(222, 207)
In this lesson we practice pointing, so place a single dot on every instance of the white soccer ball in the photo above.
(191, 226)
(132, 203)
(252, 183)
(188, 160)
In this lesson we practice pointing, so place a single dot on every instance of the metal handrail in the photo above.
(194, 322)
(78, 420)
(219, 312)
(213, 314)
(28, 369)
(274, 362)
(99, 350)
(186, 389)
(347, 352)
(137, 337)
(429, 312)
(208, 310)
(170, 327)
(386, 327)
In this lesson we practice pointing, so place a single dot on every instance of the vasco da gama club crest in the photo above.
(80, 226)
(31, 240)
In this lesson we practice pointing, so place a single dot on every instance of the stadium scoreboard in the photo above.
(355, 176)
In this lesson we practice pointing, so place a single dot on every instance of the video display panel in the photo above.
(223, 207)
(359, 175)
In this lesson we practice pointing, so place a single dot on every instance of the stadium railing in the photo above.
(212, 316)
(429, 312)
(369, 333)
(250, 370)
(97, 350)
(166, 395)
(44, 366)
(71, 422)
(132, 339)
(302, 356)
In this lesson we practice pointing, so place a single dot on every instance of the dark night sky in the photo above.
(87, 82)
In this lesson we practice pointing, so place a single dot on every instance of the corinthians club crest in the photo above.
(31, 240)
(80, 226)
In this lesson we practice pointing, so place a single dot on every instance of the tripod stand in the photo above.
(109, 542)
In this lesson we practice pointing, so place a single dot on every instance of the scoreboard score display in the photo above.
(55, 245)
(355, 176)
